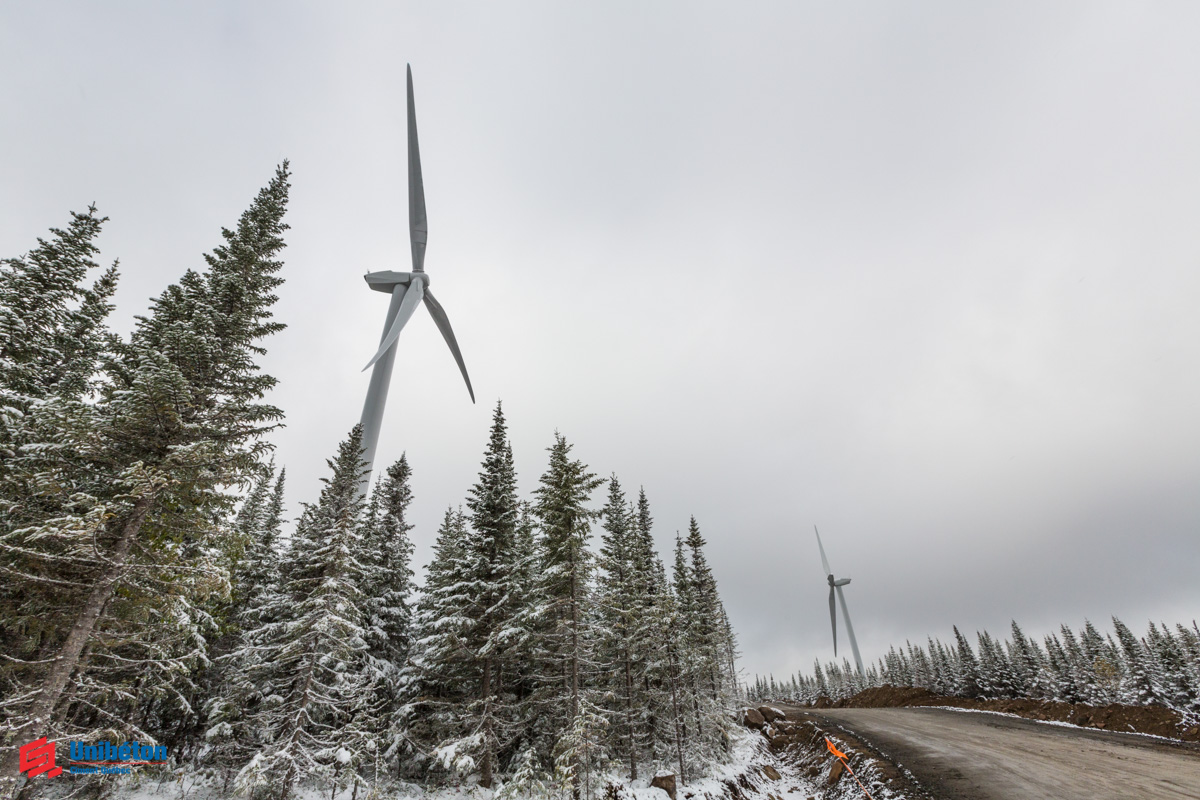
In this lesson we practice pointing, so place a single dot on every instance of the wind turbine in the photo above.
(408, 290)
(835, 585)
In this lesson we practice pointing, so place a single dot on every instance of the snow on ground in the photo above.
(744, 769)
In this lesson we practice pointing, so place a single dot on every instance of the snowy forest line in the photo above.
(1160, 669)
(151, 593)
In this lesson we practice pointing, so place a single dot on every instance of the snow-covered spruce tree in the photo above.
(944, 667)
(709, 650)
(617, 607)
(966, 674)
(490, 564)
(665, 676)
(468, 622)
(1178, 690)
(52, 329)
(250, 556)
(254, 555)
(309, 663)
(995, 671)
(1060, 672)
(689, 694)
(922, 669)
(563, 594)
(521, 648)
(653, 709)
(441, 676)
(1102, 666)
(135, 472)
(385, 555)
(1138, 687)
(822, 686)
(1024, 663)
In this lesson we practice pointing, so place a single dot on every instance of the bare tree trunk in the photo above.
(629, 718)
(485, 772)
(678, 732)
(574, 665)
(68, 655)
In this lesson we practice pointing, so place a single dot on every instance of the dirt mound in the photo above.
(891, 697)
(1138, 719)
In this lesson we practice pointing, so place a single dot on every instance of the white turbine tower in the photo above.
(835, 585)
(408, 290)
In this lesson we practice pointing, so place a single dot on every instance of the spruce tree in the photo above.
(441, 677)
(619, 607)
(561, 506)
(388, 576)
(141, 470)
(1139, 686)
(490, 558)
(470, 620)
(310, 663)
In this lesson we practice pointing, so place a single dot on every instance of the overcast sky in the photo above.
(926, 275)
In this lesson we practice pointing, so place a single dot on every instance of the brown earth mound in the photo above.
(1138, 719)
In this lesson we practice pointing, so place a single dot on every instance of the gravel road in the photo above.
(984, 756)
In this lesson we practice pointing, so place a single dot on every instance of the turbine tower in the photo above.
(408, 290)
(835, 585)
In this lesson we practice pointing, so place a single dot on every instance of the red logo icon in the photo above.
(37, 757)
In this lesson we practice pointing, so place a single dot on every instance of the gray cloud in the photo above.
(925, 276)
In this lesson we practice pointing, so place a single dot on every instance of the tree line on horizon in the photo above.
(1161, 668)
(153, 588)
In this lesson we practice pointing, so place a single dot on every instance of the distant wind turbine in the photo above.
(835, 585)
(408, 290)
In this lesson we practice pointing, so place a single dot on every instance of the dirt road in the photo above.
(984, 756)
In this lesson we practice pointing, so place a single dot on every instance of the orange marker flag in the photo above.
(845, 763)
(833, 749)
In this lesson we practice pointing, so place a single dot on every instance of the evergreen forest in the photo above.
(156, 589)
(1160, 669)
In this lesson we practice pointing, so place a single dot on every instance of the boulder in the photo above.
(770, 714)
(664, 781)
(835, 774)
(752, 719)
(770, 772)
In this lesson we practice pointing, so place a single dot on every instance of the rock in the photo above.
(666, 782)
(771, 772)
(770, 714)
(753, 719)
(835, 774)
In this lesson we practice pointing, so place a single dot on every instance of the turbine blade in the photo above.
(850, 632)
(824, 561)
(412, 296)
(443, 323)
(418, 223)
(833, 619)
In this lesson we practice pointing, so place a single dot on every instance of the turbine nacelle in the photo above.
(388, 280)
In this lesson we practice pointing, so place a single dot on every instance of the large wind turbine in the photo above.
(835, 585)
(408, 290)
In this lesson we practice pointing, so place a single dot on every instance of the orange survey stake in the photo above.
(845, 763)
